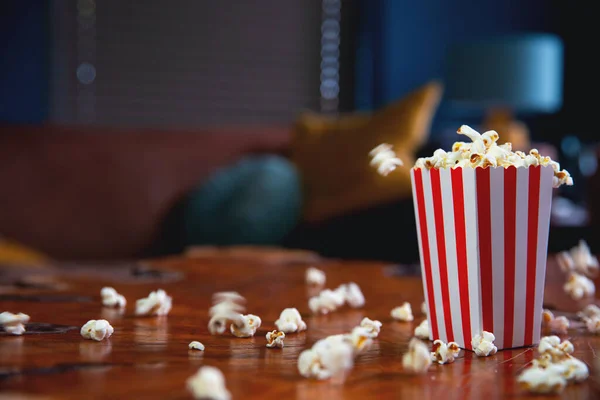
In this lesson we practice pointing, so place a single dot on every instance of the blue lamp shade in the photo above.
(521, 72)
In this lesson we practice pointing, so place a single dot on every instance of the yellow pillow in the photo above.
(332, 153)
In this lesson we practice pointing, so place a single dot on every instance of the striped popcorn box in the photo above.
(483, 241)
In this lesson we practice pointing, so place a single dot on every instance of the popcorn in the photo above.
(548, 380)
(245, 326)
(554, 348)
(403, 312)
(593, 324)
(551, 324)
(290, 321)
(275, 339)
(208, 383)
(157, 303)
(353, 295)
(13, 323)
(579, 286)
(315, 277)
(328, 357)
(485, 152)
(444, 353)
(373, 327)
(96, 330)
(424, 308)
(384, 159)
(326, 301)
(110, 298)
(418, 359)
(575, 370)
(483, 344)
(590, 311)
(227, 307)
(195, 345)
(422, 331)
(579, 259)
(360, 337)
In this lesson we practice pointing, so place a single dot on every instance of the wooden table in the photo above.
(148, 357)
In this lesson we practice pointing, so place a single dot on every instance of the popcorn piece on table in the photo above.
(403, 312)
(579, 259)
(245, 325)
(353, 296)
(157, 303)
(227, 306)
(384, 159)
(195, 345)
(110, 298)
(97, 330)
(326, 301)
(554, 348)
(424, 308)
(579, 286)
(328, 357)
(315, 276)
(13, 323)
(360, 337)
(593, 324)
(589, 311)
(417, 359)
(548, 380)
(552, 324)
(422, 331)
(275, 339)
(444, 353)
(373, 326)
(290, 321)
(483, 344)
(208, 383)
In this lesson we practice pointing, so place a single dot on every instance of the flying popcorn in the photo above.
(290, 321)
(275, 339)
(444, 353)
(110, 298)
(13, 323)
(96, 330)
(579, 259)
(548, 380)
(245, 325)
(418, 359)
(552, 324)
(195, 345)
(403, 312)
(157, 303)
(483, 344)
(208, 383)
(579, 286)
(384, 159)
(422, 331)
(373, 327)
(227, 307)
(315, 276)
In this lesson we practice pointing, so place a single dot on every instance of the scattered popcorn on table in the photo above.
(372, 326)
(208, 383)
(97, 330)
(384, 159)
(245, 326)
(275, 339)
(325, 302)
(579, 286)
(195, 345)
(589, 311)
(290, 321)
(422, 331)
(417, 359)
(579, 259)
(444, 353)
(548, 380)
(13, 323)
(110, 298)
(485, 152)
(315, 276)
(327, 358)
(552, 324)
(554, 348)
(157, 303)
(353, 295)
(403, 312)
(360, 337)
(424, 308)
(483, 344)
(593, 325)
(227, 306)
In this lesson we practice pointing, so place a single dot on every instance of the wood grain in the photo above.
(148, 357)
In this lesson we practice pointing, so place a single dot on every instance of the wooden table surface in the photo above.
(148, 357)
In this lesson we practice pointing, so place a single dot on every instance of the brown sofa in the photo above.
(96, 193)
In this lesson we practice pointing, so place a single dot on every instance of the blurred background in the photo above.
(140, 128)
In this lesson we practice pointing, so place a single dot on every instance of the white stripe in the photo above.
(451, 258)
(521, 256)
(497, 230)
(435, 268)
(418, 223)
(545, 203)
(472, 240)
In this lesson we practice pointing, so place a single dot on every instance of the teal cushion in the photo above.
(255, 201)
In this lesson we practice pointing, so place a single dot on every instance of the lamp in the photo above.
(504, 76)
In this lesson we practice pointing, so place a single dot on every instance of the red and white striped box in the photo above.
(483, 242)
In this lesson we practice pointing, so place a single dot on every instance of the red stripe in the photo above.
(436, 190)
(510, 232)
(485, 246)
(461, 253)
(425, 249)
(532, 236)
